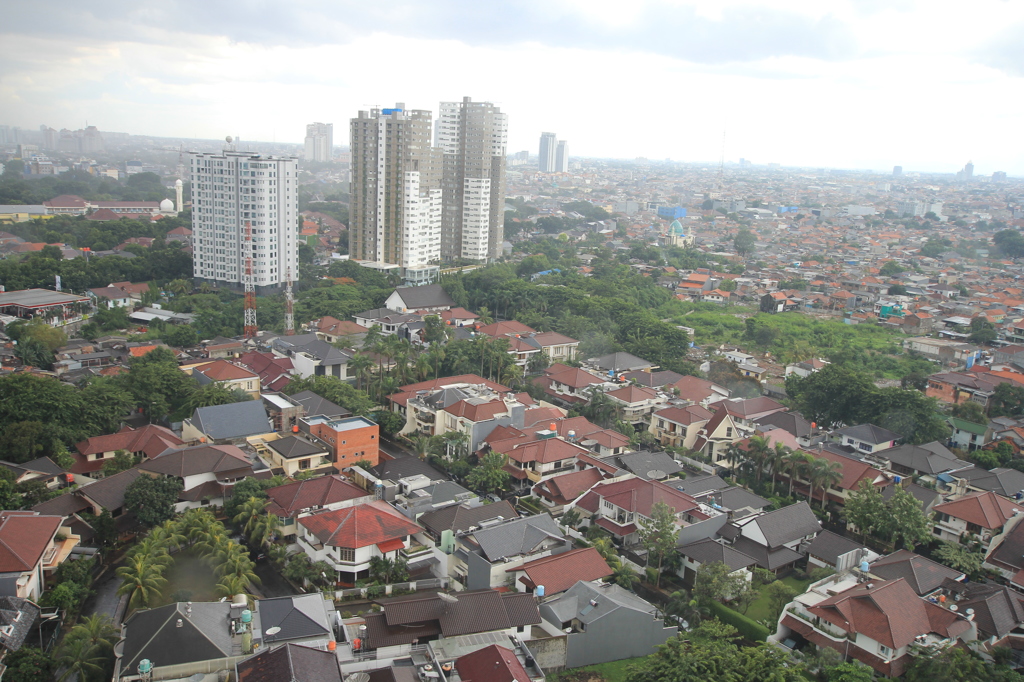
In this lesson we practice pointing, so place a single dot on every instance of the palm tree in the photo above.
(98, 629)
(265, 530)
(606, 549)
(230, 585)
(249, 514)
(484, 316)
(734, 455)
(142, 579)
(511, 375)
(153, 549)
(776, 458)
(793, 464)
(824, 474)
(360, 365)
(80, 659)
(179, 286)
(758, 448)
(169, 534)
(624, 576)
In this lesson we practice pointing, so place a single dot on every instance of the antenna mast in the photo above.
(249, 331)
(289, 304)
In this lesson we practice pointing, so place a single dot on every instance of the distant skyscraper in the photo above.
(395, 192)
(548, 145)
(999, 176)
(897, 171)
(969, 170)
(230, 188)
(319, 141)
(472, 137)
(562, 157)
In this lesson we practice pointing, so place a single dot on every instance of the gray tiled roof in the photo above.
(927, 459)
(650, 465)
(574, 602)
(153, 634)
(923, 575)
(699, 484)
(622, 362)
(788, 524)
(708, 551)
(770, 559)
(868, 433)
(293, 446)
(829, 547)
(234, 420)
(517, 536)
(298, 616)
(426, 296)
(292, 663)
(316, 405)
(460, 517)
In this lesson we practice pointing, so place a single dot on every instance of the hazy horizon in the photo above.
(857, 85)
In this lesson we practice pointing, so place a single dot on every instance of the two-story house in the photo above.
(878, 622)
(229, 375)
(678, 426)
(419, 403)
(571, 385)
(32, 547)
(621, 505)
(865, 438)
(716, 435)
(145, 442)
(533, 461)
(290, 501)
(773, 538)
(292, 454)
(483, 556)
(229, 423)
(349, 538)
(853, 474)
(974, 515)
(348, 439)
(633, 404)
(207, 472)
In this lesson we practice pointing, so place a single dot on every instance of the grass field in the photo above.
(759, 609)
(615, 671)
(189, 573)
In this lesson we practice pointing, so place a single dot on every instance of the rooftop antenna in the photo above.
(249, 331)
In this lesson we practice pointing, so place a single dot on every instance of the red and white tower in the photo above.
(249, 330)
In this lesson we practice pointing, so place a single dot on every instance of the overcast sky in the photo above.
(927, 85)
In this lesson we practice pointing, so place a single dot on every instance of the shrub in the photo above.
(749, 628)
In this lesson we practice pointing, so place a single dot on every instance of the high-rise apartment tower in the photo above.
(548, 145)
(562, 157)
(230, 188)
(472, 137)
(395, 194)
(319, 142)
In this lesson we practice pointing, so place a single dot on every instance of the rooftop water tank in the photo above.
(864, 566)
(145, 666)
(247, 616)
(540, 590)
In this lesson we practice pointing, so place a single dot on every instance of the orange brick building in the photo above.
(350, 438)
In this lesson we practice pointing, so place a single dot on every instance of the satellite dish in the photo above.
(448, 598)
(358, 677)
(273, 631)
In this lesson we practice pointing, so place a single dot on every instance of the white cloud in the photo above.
(916, 84)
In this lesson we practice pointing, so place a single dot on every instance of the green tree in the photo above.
(159, 387)
(779, 594)
(831, 396)
(865, 509)
(854, 671)
(388, 571)
(970, 411)
(954, 664)
(142, 579)
(715, 581)
(489, 476)
(151, 499)
(658, 534)
(907, 523)
(1007, 400)
(958, 557)
(335, 390)
(890, 269)
(120, 462)
(744, 242)
(1009, 242)
(28, 664)
(823, 475)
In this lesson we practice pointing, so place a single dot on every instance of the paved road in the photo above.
(394, 449)
(272, 584)
(105, 598)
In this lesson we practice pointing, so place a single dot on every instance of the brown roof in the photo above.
(565, 488)
(199, 459)
(359, 526)
(24, 536)
(108, 493)
(222, 370)
(987, 509)
(459, 517)
(560, 572)
(491, 664)
(150, 440)
(684, 415)
(477, 412)
(335, 327)
(640, 496)
(291, 498)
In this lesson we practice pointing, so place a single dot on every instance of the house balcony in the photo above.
(415, 551)
(59, 552)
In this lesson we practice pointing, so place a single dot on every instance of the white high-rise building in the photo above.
(546, 156)
(319, 142)
(231, 188)
(562, 157)
(396, 199)
(473, 138)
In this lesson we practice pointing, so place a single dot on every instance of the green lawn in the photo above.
(615, 671)
(188, 572)
(759, 609)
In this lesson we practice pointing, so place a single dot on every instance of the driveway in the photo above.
(394, 450)
(272, 584)
(105, 600)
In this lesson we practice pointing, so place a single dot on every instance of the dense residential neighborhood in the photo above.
(780, 412)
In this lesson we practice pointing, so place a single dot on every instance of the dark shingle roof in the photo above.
(788, 524)
(517, 536)
(291, 447)
(154, 634)
(622, 362)
(868, 433)
(426, 296)
(829, 547)
(316, 405)
(708, 551)
(234, 420)
(298, 616)
(109, 492)
(924, 575)
(650, 465)
(460, 517)
(290, 663)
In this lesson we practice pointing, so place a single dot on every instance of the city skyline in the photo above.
(830, 79)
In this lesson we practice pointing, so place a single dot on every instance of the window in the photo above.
(346, 554)
(884, 650)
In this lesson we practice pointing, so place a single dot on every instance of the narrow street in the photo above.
(394, 450)
(105, 598)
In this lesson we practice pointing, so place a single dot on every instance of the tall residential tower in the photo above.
(230, 188)
(548, 144)
(562, 157)
(395, 195)
(319, 142)
(472, 137)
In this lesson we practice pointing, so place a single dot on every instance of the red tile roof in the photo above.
(222, 370)
(542, 451)
(24, 536)
(640, 496)
(360, 526)
(567, 487)
(560, 572)
(987, 509)
(291, 498)
(491, 664)
(477, 412)
(151, 440)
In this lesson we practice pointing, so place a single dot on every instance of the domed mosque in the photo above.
(679, 235)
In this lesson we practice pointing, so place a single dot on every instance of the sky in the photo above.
(865, 84)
